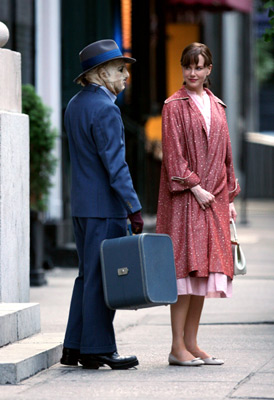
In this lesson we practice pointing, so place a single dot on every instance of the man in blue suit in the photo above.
(102, 198)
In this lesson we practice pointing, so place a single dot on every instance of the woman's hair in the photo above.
(190, 55)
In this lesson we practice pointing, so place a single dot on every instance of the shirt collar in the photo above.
(107, 91)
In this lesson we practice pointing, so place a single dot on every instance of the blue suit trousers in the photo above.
(90, 323)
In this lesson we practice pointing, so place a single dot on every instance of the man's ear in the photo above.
(103, 74)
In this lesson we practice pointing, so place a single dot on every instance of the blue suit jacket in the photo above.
(101, 184)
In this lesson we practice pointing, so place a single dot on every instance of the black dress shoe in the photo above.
(113, 360)
(70, 356)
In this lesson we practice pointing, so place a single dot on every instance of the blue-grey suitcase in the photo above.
(138, 271)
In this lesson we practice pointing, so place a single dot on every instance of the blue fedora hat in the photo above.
(98, 53)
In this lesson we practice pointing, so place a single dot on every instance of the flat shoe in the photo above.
(196, 362)
(212, 361)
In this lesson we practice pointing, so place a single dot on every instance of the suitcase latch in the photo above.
(122, 271)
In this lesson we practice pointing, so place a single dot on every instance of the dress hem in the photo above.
(217, 285)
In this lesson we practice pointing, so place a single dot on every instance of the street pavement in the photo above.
(239, 330)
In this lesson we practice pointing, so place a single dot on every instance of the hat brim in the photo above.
(128, 60)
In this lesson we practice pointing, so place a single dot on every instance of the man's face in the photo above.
(117, 75)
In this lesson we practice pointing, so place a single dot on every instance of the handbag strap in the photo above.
(235, 239)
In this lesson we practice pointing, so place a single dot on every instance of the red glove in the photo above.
(137, 222)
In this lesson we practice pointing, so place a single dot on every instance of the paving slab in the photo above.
(240, 330)
(247, 350)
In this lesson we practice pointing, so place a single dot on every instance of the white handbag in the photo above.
(238, 254)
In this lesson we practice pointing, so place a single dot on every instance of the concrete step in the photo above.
(18, 321)
(27, 357)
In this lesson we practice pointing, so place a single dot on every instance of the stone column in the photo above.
(18, 317)
(231, 82)
(14, 182)
(48, 86)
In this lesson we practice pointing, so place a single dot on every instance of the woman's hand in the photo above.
(203, 197)
(232, 212)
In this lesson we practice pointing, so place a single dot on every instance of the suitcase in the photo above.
(138, 271)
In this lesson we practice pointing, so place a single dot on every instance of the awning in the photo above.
(218, 5)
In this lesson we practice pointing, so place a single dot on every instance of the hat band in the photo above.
(93, 61)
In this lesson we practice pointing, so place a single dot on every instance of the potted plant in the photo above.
(42, 167)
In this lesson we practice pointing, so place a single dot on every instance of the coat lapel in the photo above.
(216, 119)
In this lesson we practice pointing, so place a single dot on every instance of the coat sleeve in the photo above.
(108, 133)
(232, 183)
(180, 175)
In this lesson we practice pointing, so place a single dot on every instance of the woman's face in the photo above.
(195, 75)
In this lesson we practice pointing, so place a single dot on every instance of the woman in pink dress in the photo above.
(197, 189)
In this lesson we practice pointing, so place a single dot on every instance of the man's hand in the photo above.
(137, 222)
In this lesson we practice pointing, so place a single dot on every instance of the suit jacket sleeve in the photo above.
(108, 134)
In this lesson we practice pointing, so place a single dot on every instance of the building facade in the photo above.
(50, 34)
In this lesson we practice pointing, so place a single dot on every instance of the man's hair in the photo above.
(88, 77)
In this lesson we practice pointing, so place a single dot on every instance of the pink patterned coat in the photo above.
(201, 239)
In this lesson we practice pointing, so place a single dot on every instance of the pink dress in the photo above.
(216, 284)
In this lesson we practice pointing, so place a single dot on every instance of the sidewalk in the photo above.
(240, 330)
